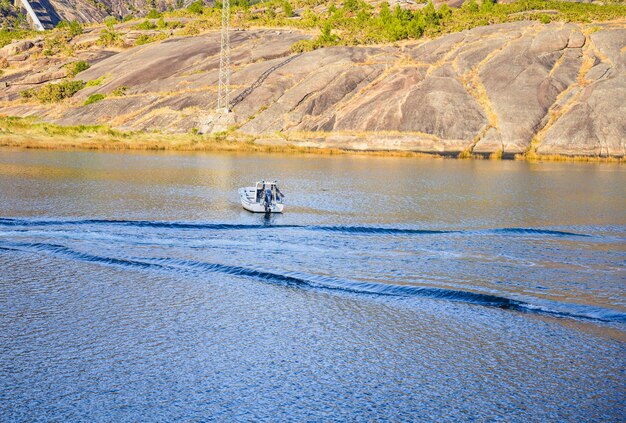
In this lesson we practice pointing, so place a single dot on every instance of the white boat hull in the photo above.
(248, 201)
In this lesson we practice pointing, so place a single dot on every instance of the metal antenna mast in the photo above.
(223, 105)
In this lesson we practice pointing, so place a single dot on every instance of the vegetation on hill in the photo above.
(74, 28)
(353, 22)
(53, 93)
(357, 22)
(10, 16)
(75, 68)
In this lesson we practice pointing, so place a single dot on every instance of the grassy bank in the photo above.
(28, 133)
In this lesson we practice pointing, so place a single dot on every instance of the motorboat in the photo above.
(263, 197)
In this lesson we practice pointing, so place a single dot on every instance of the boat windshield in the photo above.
(262, 187)
(265, 185)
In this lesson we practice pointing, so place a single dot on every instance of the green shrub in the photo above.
(56, 41)
(486, 6)
(325, 39)
(29, 93)
(351, 5)
(416, 27)
(471, 6)
(95, 82)
(174, 24)
(287, 9)
(153, 14)
(120, 91)
(143, 39)
(445, 11)
(74, 28)
(109, 37)
(309, 19)
(302, 46)
(327, 36)
(110, 21)
(196, 7)
(145, 25)
(190, 29)
(8, 36)
(93, 98)
(53, 93)
(430, 14)
(75, 68)
(385, 13)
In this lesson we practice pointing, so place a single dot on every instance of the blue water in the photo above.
(133, 287)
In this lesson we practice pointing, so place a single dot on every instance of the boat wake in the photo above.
(352, 230)
(330, 284)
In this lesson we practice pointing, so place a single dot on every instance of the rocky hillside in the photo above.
(88, 11)
(502, 89)
(96, 11)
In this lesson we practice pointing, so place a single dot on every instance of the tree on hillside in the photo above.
(471, 6)
(430, 14)
(196, 7)
(385, 13)
(287, 9)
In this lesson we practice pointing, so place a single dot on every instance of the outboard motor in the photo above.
(267, 202)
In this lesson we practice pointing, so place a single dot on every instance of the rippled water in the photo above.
(134, 287)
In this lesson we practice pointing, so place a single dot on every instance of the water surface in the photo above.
(135, 287)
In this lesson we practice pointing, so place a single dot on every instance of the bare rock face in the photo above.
(525, 78)
(16, 48)
(489, 143)
(89, 11)
(79, 10)
(592, 120)
(185, 64)
(503, 89)
(139, 7)
(41, 77)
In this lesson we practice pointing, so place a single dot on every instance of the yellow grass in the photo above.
(27, 133)
(185, 142)
(534, 157)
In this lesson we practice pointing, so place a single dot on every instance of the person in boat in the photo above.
(279, 195)
(259, 193)
(267, 198)
(268, 194)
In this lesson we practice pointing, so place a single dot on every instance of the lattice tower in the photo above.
(223, 105)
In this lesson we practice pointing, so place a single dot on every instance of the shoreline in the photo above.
(187, 144)
(197, 143)
(29, 134)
